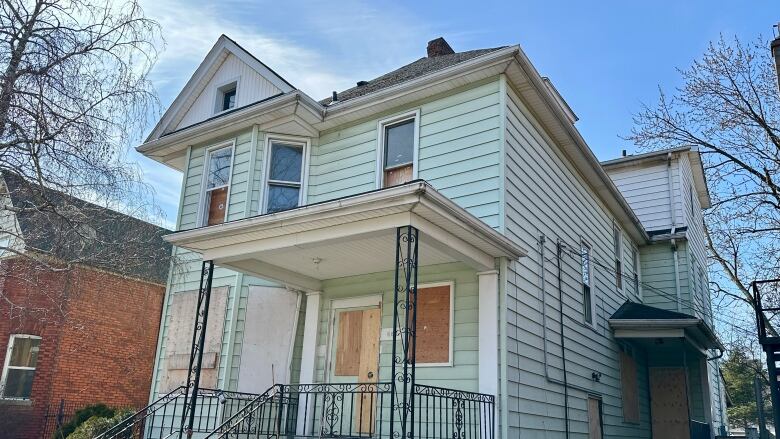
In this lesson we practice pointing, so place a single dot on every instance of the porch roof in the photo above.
(639, 321)
(348, 236)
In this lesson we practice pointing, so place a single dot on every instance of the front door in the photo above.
(356, 358)
(669, 403)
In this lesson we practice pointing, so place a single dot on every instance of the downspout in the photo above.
(673, 230)
(559, 249)
(565, 382)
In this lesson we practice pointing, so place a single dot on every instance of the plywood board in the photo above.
(628, 387)
(433, 325)
(269, 330)
(369, 361)
(594, 419)
(348, 343)
(178, 343)
(669, 403)
(217, 206)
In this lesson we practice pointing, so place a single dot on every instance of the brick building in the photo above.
(78, 323)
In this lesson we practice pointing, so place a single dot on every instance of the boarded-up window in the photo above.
(433, 325)
(219, 163)
(398, 160)
(628, 387)
(594, 419)
(178, 339)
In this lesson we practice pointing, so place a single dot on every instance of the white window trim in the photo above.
(618, 256)
(217, 102)
(638, 271)
(305, 142)
(380, 146)
(593, 312)
(451, 284)
(7, 366)
(202, 214)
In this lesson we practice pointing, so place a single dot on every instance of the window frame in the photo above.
(202, 211)
(219, 93)
(7, 366)
(305, 144)
(585, 244)
(617, 245)
(636, 260)
(451, 284)
(380, 148)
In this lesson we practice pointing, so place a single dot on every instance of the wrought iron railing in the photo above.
(447, 413)
(360, 411)
(765, 314)
(162, 418)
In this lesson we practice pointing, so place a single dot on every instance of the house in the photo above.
(432, 253)
(80, 307)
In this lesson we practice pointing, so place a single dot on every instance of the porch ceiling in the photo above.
(349, 236)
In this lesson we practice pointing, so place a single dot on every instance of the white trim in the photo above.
(488, 332)
(305, 144)
(367, 301)
(309, 355)
(216, 95)
(451, 284)
(7, 366)
(380, 146)
(593, 311)
(204, 178)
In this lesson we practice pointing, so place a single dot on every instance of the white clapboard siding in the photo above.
(252, 87)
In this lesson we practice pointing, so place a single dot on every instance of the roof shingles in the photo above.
(421, 67)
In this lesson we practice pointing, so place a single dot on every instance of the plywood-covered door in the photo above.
(594, 419)
(669, 403)
(356, 358)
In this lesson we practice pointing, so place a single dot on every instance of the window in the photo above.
(434, 325)
(629, 387)
(690, 199)
(226, 97)
(218, 165)
(398, 143)
(587, 293)
(594, 418)
(617, 241)
(637, 278)
(19, 369)
(284, 176)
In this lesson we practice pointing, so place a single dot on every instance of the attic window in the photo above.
(226, 97)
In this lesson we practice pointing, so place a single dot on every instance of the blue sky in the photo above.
(606, 58)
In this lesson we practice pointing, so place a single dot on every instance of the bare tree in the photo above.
(729, 107)
(74, 95)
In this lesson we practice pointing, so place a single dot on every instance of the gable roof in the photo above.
(200, 78)
(73, 230)
(408, 72)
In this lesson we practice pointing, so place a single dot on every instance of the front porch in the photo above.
(400, 332)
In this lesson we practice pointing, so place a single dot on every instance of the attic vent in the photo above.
(439, 47)
(362, 83)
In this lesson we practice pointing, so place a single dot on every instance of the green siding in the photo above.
(459, 152)
(546, 196)
(463, 373)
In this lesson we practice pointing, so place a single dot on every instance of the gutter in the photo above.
(579, 141)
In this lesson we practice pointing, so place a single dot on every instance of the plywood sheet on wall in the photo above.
(269, 329)
(179, 339)
(433, 325)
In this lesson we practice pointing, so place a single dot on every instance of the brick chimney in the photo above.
(439, 47)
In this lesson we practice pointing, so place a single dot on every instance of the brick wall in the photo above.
(99, 335)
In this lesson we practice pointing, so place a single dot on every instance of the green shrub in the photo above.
(81, 415)
(96, 425)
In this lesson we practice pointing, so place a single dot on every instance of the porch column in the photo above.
(488, 332)
(309, 353)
